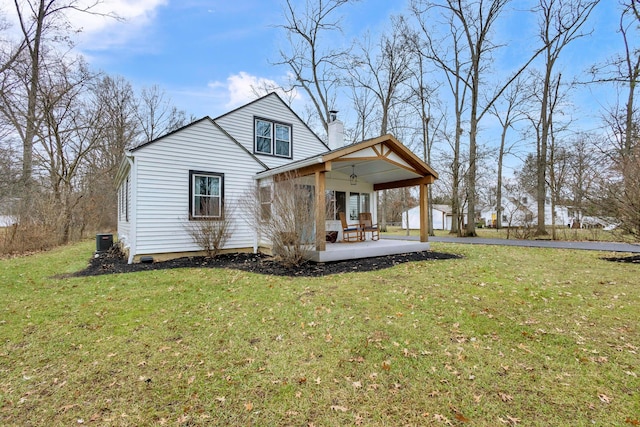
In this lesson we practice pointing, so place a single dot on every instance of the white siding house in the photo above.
(522, 211)
(204, 169)
(442, 217)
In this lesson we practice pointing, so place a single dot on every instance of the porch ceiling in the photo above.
(382, 161)
(374, 171)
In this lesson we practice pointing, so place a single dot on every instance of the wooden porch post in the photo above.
(321, 241)
(424, 213)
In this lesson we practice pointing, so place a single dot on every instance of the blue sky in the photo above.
(206, 54)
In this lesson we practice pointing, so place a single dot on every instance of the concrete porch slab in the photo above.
(341, 251)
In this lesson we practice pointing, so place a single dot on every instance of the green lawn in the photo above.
(504, 336)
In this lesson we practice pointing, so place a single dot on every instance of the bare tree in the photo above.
(364, 108)
(585, 163)
(453, 63)
(282, 213)
(381, 69)
(70, 131)
(423, 97)
(560, 23)
(507, 113)
(310, 56)
(210, 233)
(115, 99)
(156, 114)
(623, 72)
(40, 21)
(558, 175)
(471, 24)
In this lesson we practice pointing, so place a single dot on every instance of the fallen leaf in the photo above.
(462, 418)
(339, 408)
(442, 419)
(505, 397)
(604, 398)
(357, 384)
(65, 408)
(248, 406)
(386, 365)
(633, 422)
(509, 421)
(513, 420)
(221, 399)
(524, 347)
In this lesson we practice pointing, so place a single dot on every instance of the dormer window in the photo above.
(272, 138)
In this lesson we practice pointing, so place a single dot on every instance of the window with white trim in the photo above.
(336, 202)
(272, 138)
(265, 202)
(358, 203)
(206, 191)
(123, 201)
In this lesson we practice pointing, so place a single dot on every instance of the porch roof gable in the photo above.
(384, 161)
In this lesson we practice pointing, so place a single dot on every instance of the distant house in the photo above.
(7, 221)
(522, 210)
(8, 206)
(442, 217)
(199, 171)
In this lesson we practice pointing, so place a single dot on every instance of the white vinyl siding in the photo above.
(162, 205)
(240, 125)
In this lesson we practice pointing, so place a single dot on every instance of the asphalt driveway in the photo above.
(558, 244)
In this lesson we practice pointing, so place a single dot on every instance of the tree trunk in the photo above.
(32, 94)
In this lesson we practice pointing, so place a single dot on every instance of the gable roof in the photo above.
(274, 94)
(210, 120)
(384, 161)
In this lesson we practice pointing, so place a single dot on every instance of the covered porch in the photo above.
(341, 251)
(355, 173)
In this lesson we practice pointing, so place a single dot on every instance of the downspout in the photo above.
(133, 232)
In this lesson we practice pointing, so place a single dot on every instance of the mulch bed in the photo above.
(113, 261)
(634, 259)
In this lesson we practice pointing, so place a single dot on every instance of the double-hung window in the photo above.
(272, 138)
(206, 195)
(358, 203)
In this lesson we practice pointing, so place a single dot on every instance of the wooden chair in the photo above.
(367, 226)
(350, 232)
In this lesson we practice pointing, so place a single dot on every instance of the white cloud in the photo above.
(101, 32)
(243, 87)
(97, 29)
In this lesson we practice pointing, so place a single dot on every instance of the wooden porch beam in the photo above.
(404, 183)
(321, 241)
(424, 213)
(305, 171)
